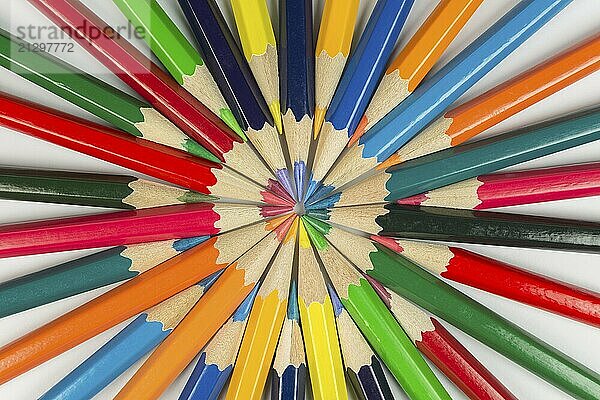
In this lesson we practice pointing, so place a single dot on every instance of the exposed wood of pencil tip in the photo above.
(268, 144)
(391, 91)
(235, 215)
(362, 218)
(371, 190)
(328, 70)
(298, 135)
(265, 68)
(254, 262)
(146, 194)
(230, 184)
(203, 87)
(350, 166)
(290, 349)
(242, 157)
(330, 144)
(155, 127)
(431, 139)
(171, 311)
(341, 272)
(311, 286)
(232, 244)
(356, 352)
(148, 255)
(355, 248)
(413, 320)
(223, 348)
(431, 256)
(280, 273)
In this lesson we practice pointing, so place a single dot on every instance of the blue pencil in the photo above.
(232, 73)
(87, 273)
(358, 84)
(216, 361)
(363, 368)
(288, 376)
(297, 82)
(128, 346)
(437, 93)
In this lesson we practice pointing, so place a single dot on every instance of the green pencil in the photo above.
(426, 290)
(88, 189)
(178, 55)
(377, 324)
(118, 108)
(87, 273)
(467, 226)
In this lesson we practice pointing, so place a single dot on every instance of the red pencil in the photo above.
(447, 353)
(140, 73)
(126, 227)
(502, 279)
(162, 162)
(515, 188)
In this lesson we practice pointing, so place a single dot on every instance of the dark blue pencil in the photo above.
(239, 87)
(288, 375)
(297, 82)
(358, 84)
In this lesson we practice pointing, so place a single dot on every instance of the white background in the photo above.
(578, 21)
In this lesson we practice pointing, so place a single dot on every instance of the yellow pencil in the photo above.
(333, 48)
(317, 320)
(260, 49)
(264, 325)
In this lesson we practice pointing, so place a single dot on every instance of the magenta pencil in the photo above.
(124, 228)
(515, 188)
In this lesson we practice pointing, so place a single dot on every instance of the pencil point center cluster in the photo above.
(299, 209)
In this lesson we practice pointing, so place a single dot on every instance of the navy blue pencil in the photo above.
(297, 82)
(232, 73)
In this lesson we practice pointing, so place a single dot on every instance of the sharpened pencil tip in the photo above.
(394, 159)
(360, 130)
(319, 119)
(275, 108)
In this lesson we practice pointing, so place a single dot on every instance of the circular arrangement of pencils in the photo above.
(287, 235)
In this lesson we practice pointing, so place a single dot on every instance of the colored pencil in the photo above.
(116, 147)
(317, 321)
(178, 55)
(89, 189)
(215, 364)
(437, 344)
(125, 112)
(123, 227)
(87, 273)
(133, 342)
(500, 278)
(128, 299)
(288, 376)
(417, 58)
(333, 48)
(363, 368)
(234, 77)
(173, 355)
(469, 226)
(515, 188)
(260, 49)
(431, 99)
(140, 73)
(473, 159)
(418, 286)
(264, 325)
(358, 83)
(503, 101)
(297, 85)
(377, 324)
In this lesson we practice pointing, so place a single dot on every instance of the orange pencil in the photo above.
(503, 101)
(203, 321)
(415, 60)
(128, 299)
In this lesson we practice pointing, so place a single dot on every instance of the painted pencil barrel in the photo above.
(486, 156)
(87, 273)
(419, 286)
(486, 227)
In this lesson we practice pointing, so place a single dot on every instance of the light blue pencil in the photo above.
(142, 335)
(437, 93)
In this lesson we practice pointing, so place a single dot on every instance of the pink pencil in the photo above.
(125, 227)
(515, 188)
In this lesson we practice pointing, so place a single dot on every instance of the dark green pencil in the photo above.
(87, 189)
